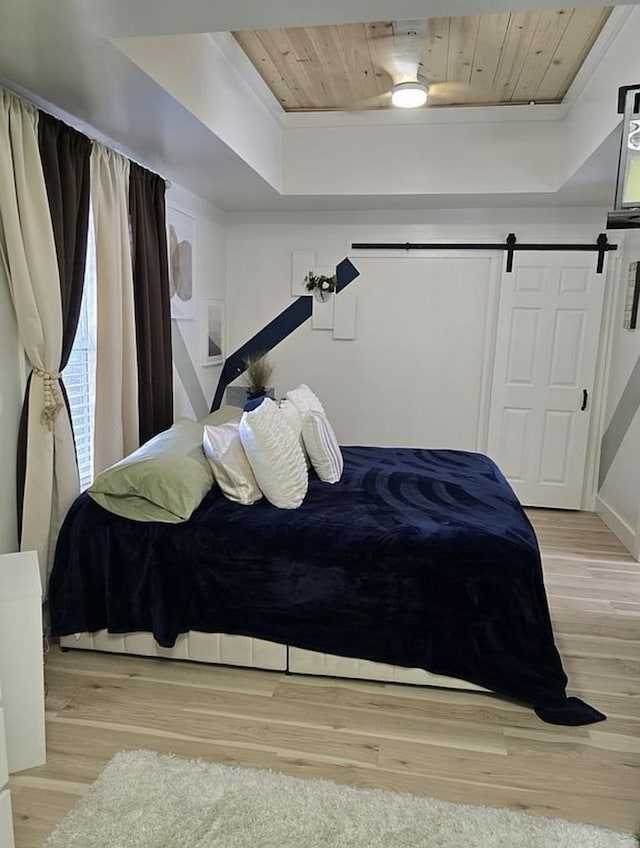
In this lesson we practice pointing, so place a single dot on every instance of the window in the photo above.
(80, 374)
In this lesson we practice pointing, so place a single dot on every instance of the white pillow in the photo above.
(275, 455)
(304, 400)
(229, 463)
(322, 447)
(294, 420)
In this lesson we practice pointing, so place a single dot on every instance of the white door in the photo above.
(546, 348)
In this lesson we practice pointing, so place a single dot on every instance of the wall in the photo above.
(194, 384)
(618, 499)
(420, 368)
(11, 391)
(429, 158)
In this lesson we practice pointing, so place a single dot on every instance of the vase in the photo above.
(322, 295)
(238, 395)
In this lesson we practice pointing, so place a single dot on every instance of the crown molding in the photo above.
(439, 115)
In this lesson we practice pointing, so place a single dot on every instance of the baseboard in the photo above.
(618, 526)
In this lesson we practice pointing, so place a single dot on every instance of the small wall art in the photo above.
(213, 332)
(630, 320)
(181, 233)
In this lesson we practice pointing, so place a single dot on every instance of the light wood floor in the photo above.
(464, 747)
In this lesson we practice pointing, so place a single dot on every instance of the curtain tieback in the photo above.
(52, 398)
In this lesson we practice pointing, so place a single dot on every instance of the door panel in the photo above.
(556, 442)
(514, 435)
(546, 348)
(568, 343)
(522, 346)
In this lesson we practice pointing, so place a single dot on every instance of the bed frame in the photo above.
(244, 651)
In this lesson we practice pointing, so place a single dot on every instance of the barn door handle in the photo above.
(585, 398)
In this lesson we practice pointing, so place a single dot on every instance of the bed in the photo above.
(418, 566)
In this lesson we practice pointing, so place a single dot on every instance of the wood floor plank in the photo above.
(487, 709)
(36, 812)
(163, 718)
(608, 624)
(204, 709)
(598, 647)
(162, 670)
(463, 746)
(531, 764)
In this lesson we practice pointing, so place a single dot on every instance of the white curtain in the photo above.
(28, 253)
(116, 411)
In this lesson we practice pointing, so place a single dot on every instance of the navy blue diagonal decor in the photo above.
(277, 330)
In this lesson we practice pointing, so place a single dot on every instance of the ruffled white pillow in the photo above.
(275, 455)
(322, 446)
(229, 463)
(294, 420)
(304, 400)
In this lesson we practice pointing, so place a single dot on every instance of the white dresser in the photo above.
(21, 660)
(6, 825)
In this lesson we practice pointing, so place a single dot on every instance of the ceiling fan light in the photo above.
(409, 95)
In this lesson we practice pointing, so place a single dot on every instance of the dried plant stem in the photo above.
(258, 371)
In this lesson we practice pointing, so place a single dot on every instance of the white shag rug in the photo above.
(144, 799)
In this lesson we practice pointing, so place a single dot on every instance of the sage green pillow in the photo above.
(220, 416)
(164, 480)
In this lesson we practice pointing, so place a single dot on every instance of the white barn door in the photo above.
(546, 348)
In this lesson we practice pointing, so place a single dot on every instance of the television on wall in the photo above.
(627, 200)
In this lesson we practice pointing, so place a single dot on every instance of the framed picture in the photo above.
(213, 332)
(181, 233)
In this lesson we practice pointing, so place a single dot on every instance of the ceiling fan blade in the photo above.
(380, 101)
(403, 69)
(397, 54)
(445, 93)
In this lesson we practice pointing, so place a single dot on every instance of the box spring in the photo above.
(244, 651)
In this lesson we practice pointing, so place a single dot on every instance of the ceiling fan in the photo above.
(400, 55)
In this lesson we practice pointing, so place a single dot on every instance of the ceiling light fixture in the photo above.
(409, 95)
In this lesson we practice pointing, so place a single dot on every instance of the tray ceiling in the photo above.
(499, 59)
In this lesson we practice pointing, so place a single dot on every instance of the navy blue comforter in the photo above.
(419, 558)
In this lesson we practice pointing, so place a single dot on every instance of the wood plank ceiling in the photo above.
(508, 58)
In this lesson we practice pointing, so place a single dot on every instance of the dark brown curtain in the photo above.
(151, 298)
(65, 155)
